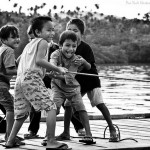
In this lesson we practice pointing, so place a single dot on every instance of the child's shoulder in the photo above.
(56, 53)
(84, 44)
(5, 50)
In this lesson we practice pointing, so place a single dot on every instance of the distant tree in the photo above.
(77, 8)
(15, 5)
(97, 6)
(20, 9)
(147, 16)
(101, 14)
(55, 7)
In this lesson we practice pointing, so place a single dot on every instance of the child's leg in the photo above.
(85, 121)
(65, 135)
(67, 119)
(7, 104)
(16, 127)
(9, 122)
(104, 110)
(96, 99)
(51, 124)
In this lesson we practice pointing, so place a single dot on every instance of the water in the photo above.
(126, 96)
(120, 95)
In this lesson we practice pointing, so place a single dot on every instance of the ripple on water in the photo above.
(121, 95)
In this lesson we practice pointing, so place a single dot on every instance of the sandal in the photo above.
(61, 147)
(44, 142)
(62, 137)
(11, 145)
(81, 132)
(87, 140)
(18, 142)
(20, 138)
(30, 135)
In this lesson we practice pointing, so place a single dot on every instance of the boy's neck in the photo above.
(5, 45)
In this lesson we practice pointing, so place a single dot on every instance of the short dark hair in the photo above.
(7, 30)
(67, 35)
(38, 22)
(79, 23)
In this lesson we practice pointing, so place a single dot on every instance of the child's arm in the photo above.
(9, 62)
(81, 61)
(41, 61)
(54, 60)
(53, 74)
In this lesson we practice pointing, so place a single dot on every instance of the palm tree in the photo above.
(97, 6)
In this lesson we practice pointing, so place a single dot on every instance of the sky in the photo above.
(119, 8)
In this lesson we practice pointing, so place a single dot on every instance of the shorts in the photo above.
(30, 90)
(74, 100)
(95, 96)
(6, 100)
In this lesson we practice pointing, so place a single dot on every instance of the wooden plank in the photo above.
(97, 127)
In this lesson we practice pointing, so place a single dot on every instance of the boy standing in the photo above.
(10, 40)
(67, 87)
(29, 87)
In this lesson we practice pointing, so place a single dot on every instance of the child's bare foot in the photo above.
(114, 137)
(55, 144)
(63, 137)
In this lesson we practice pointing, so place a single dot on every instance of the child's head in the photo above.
(43, 27)
(78, 26)
(30, 33)
(68, 43)
(9, 35)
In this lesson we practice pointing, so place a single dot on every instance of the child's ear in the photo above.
(37, 32)
(3, 41)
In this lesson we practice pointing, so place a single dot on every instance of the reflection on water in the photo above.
(120, 95)
(126, 96)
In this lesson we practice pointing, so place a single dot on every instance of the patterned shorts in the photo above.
(30, 90)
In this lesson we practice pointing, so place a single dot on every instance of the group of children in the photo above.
(30, 91)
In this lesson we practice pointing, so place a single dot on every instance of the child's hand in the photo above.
(62, 70)
(51, 74)
(79, 61)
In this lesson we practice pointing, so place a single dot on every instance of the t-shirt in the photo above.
(7, 60)
(87, 82)
(58, 59)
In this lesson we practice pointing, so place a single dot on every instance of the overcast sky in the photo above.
(120, 8)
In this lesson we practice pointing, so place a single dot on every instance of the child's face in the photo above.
(69, 48)
(74, 28)
(47, 31)
(12, 42)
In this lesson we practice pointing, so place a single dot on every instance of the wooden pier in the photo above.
(135, 135)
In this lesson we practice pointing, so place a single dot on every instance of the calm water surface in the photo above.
(122, 95)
